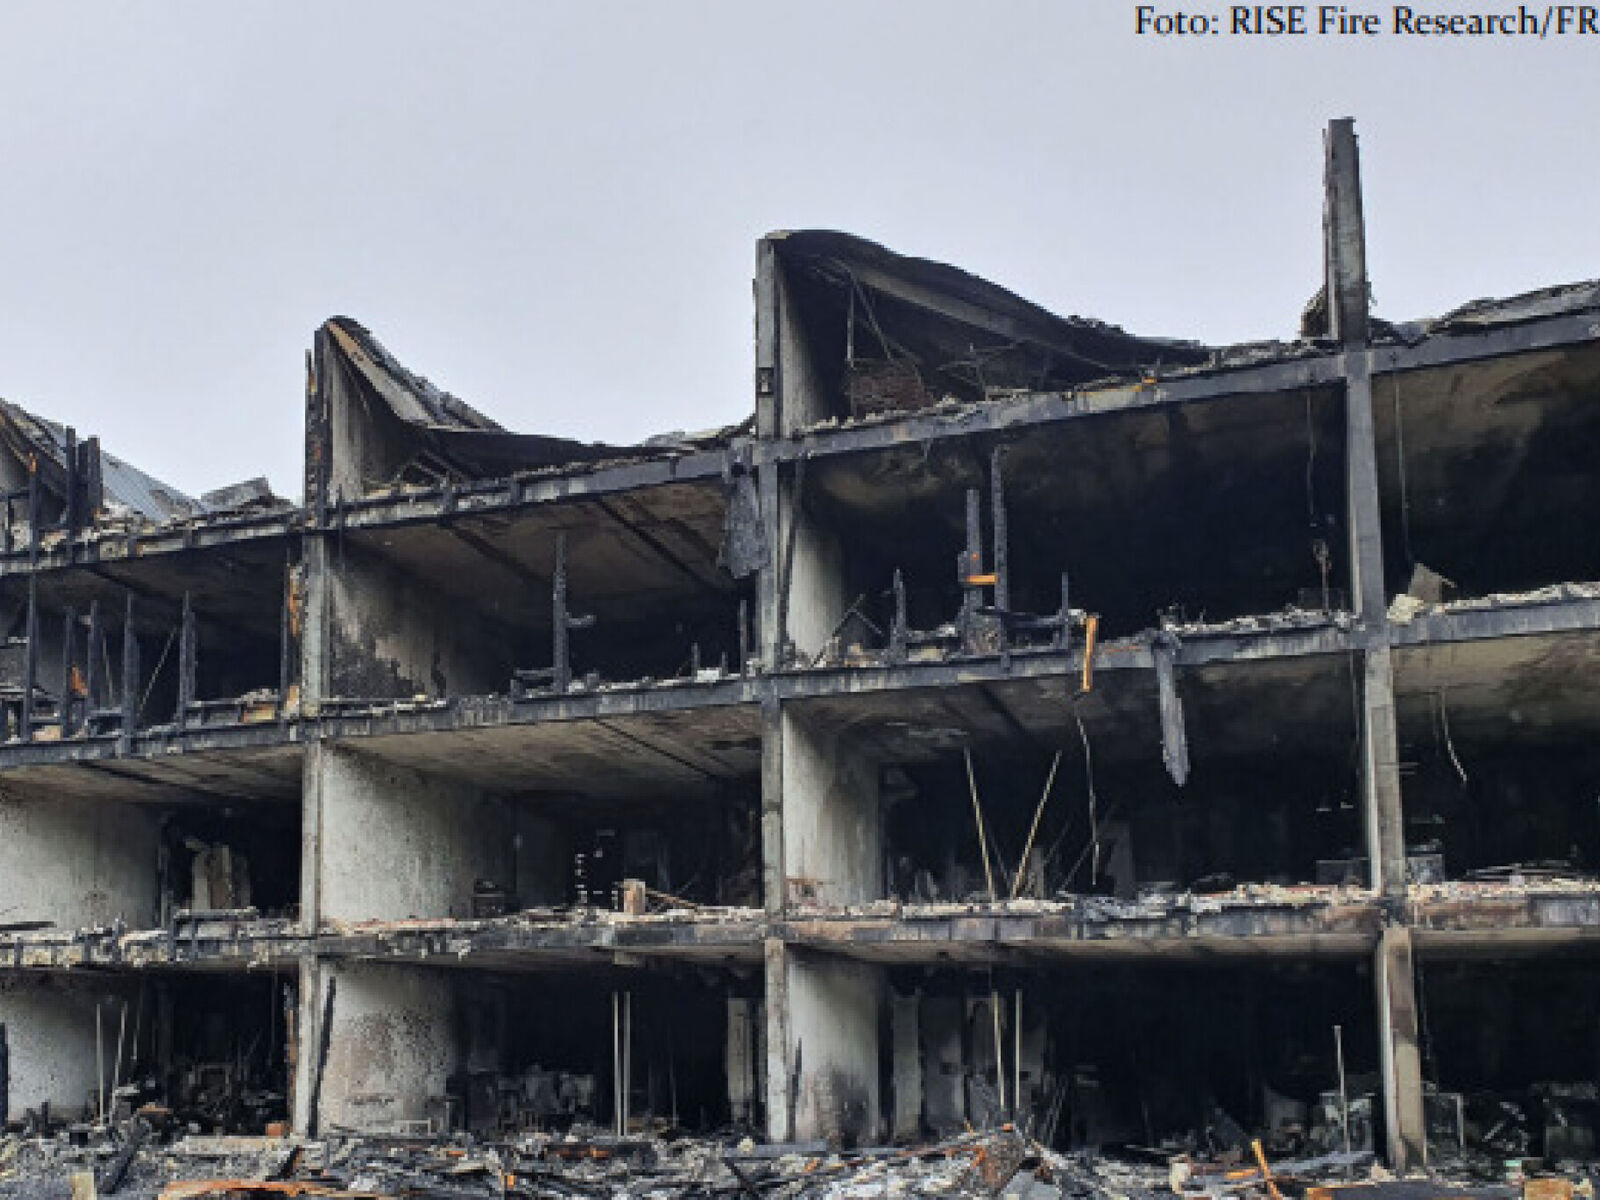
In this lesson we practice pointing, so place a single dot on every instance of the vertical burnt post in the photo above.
(33, 511)
(562, 622)
(285, 638)
(561, 654)
(1064, 617)
(188, 664)
(91, 473)
(997, 505)
(69, 666)
(130, 677)
(969, 565)
(30, 660)
(71, 513)
(899, 628)
(744, 636)
(93, 682)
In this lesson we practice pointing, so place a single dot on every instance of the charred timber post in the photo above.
(899, 631)
(997, 503)
(188, 654)
(69, 625)
(563, 622)
(93, 684)
(130, 677)
(285, 638)
(970, 567)
(30, 661)
(71, 514)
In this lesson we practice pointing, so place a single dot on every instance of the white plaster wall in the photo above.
(392, 1046)
(832, 818)
(50, 1031)
(78, 862)
(833, 1030)
(397, 844)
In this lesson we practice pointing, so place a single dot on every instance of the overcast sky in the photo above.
(551, 209)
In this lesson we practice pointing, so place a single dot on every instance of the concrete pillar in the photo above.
(905, 1028)
(832, 818)
(1400, 1060)
(50, 1035)
(395, 844)
(78, 862)
(832, 1059)
(1380, 773)
(815, 574)
(391, 1046)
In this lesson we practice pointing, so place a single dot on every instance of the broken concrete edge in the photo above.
(1456, 916)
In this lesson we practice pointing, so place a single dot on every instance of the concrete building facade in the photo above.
(1016, 719)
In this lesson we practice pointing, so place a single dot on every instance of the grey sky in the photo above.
(551, 208)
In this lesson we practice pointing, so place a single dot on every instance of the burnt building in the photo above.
(1016, 718)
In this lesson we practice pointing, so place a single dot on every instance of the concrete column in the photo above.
(832, 818)
(393, 843)
(391, 1046)
(1380, 773)
(1347, 291)
(50, 1035)
(905, 1027)
(78, 862)
(1401, 1062)
(832, 1058)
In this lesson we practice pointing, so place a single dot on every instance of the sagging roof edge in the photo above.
(477, 447)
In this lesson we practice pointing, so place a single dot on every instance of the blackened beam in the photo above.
(118, 546)
(487, 549)
(669, 755)
(652, 543)
(1008, 718)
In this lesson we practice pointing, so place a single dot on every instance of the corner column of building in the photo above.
(822, 839)
(1347, 292)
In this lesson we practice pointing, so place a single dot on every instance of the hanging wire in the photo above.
(1094, 816)
(1442, 714)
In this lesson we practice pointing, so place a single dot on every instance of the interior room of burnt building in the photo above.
(230, 855)
(209, 1051)
(1125, 1055)
(469, 607)
(1078, 793)
(578, 854)
(1486, 480)
(667, 1048)
(513, 1048)
(1193, 513)
(210, 646)
(1510, 1050)
(1499, 768)
(549, 815)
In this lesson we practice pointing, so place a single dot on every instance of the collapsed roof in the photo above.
(448, 438)
(959, 334)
